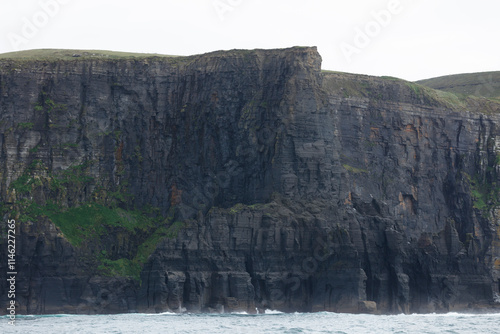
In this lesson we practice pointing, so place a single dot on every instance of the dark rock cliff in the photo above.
(244, 180)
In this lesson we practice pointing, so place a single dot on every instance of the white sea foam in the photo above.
(270, 322)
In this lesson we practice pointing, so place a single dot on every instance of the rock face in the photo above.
(244, 180)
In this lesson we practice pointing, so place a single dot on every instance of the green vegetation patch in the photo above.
(485, 195)
(88, 226)
(48, 105)
(28, 180)
(25, 125)
(85, 222)
(90, 223)
(77, 174)
(62, 54)
(354, 169)
(24, 184)
(438, 97)
(385, 77)
(91, 220)
(121, 267)
(417, 89)
(132, 267)
(390, 88)
(483, 84)
(239, 207)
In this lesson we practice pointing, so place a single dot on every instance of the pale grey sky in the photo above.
(409, 39)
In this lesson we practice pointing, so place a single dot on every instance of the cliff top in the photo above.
(63, 54)
(459, 92)
(486, 84)
(69, 54)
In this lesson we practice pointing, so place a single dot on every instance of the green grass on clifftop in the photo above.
(484, 84)
(376, 89)
(61, 54)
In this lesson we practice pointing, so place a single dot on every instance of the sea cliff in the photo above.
(243, 180)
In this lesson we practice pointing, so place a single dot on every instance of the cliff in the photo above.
(243, 179)
(485, 84)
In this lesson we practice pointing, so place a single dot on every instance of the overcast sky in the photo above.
(409, 39)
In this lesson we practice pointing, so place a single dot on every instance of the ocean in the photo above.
(270, 322)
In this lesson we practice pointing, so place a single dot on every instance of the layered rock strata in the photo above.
(244, 180)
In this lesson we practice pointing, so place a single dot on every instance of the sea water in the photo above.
(270, 322)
